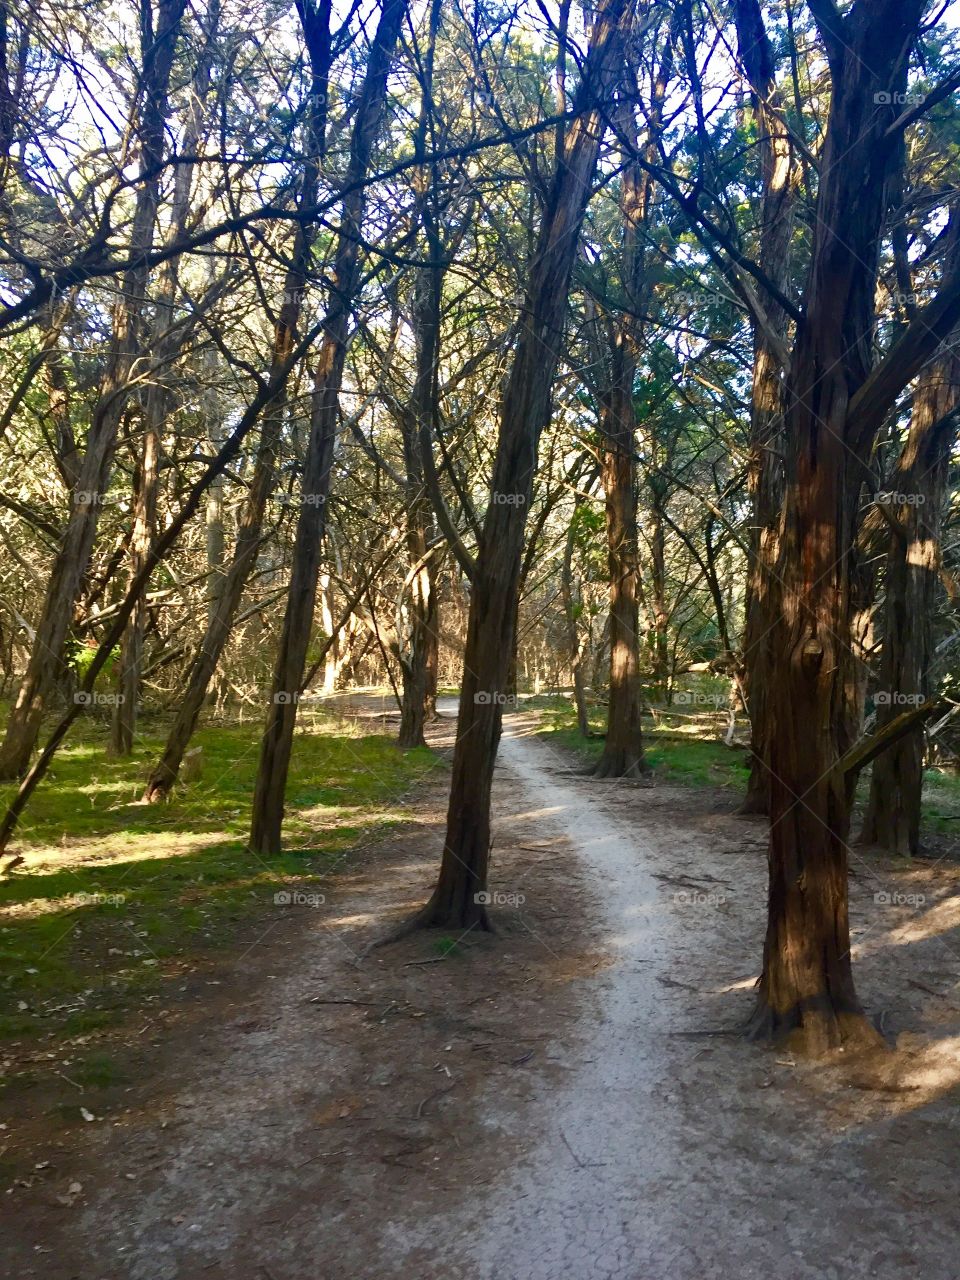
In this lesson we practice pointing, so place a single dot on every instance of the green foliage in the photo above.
(80, 657)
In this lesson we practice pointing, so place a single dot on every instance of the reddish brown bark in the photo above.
(458, 901)
(778, 175)
(835, 404)
(915, 507)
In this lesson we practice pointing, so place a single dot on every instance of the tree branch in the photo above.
(863, 752)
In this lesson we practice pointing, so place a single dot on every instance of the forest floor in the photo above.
(567, 1100)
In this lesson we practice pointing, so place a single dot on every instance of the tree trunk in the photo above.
(158, 44)
(124, 722)
(157, 404)
(660, 613)
(265, 834)
(623, 748)
(418, 699)
(574, 641)
(459, 899)
(223, 608)
(806, 989)
(765, 481)
(213, 515)
(892, 818)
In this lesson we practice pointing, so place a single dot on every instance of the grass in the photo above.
(687, 751)
(690, 751)
(116, 897)
(941, 802)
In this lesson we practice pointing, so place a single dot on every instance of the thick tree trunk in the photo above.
(623, 746)
(765, 480)
(892, 818)
(265, 834)
(459, 899)
(159, 38)
(806, 989)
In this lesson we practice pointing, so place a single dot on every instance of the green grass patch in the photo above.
(941, 802)
(689, 752)
(116, 896)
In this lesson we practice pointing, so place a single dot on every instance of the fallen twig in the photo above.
(437, 1093)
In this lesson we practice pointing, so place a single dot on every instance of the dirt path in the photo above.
(669, 1153)
(564, 1102)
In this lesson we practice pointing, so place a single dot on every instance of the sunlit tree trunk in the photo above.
(915, 505)
(765, 481)
(623, 745)
(160, 30)
(265, 833)
(458, 899)
(835, 403)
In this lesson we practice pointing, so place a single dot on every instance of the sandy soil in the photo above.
(566, 1101)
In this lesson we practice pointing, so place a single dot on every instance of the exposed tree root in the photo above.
(814, 1031)
(621, 764)
(431, 917)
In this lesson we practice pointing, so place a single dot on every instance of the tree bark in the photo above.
(222, 608)
(158, 44)
(806, 989)
(778, 175)
(458, 901)
(623, 745)
(892, 817)
(574, 641)
(265, 834)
